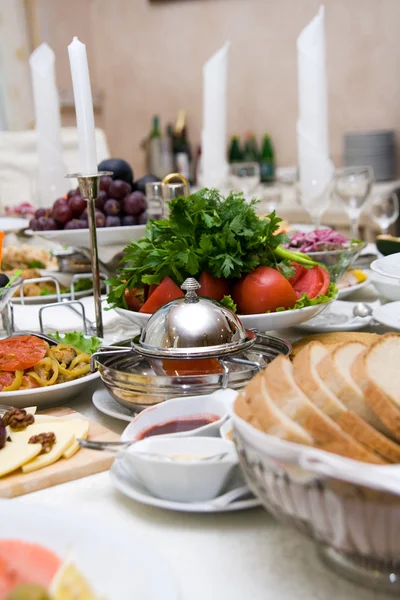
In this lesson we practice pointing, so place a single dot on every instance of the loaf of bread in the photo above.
(344, 398)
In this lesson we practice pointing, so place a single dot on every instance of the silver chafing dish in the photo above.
(190, 346)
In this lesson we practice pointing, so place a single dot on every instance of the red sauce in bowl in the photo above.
(178, 425)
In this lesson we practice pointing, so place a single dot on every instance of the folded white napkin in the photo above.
(214, 164)
(315, 166)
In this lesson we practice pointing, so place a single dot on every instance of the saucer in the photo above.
(106, 404)
(337, 317)
(131, 487)
(388, 315)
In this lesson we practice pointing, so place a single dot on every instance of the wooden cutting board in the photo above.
(84, 462)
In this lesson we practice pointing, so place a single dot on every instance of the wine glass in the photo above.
(385, 211)
(244, 177)
(352, 185)
(315, 200)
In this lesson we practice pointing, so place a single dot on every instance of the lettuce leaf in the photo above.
(77, 339)
(305, 301)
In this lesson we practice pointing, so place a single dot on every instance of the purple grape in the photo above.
(112, 207)
(47, 224)
(73, 224)
(128, 220)
(62, 213)
(113, 221)
(77, 205)
(101, 200)
(41, 212)
(105, 183)
(119, 189)
(134, 204)
(142, 219)
(71, 193)
(83, 224)
(3, 434)
(100, 219)
(60, 202)
(34, 224)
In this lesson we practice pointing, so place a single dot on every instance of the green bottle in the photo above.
(267, 160)
(155, 132)
(235, 153)
(250, 153)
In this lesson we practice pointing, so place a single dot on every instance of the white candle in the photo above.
(52, 171)
(83, 106)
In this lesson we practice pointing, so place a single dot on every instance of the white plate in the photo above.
(261, 322)
(387, 287)
(50, 298)
(388, 315)
(13, 224)
(106, 236)
(135, 490)
(45, 397)
(117, 562)
(389, 266)
(339, 317)
(106, 404)
(345, 292)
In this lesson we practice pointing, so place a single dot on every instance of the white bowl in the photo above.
(106, 236)
(388, 266)
(261, 322)
(217, 404)
(181, 480)
(387, 287)
(45, 397)
(226, 430)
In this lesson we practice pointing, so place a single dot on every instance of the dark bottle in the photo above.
(235, 153)
(267, 160)
(181, 147)
(250, 153)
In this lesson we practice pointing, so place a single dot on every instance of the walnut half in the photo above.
(46, 439)
(18, 418)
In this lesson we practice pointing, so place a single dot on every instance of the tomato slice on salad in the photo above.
(314, 282)
(21, 352)
(165, 292)
(212, 287)
(299, 271)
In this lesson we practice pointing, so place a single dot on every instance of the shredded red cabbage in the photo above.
(318, 240)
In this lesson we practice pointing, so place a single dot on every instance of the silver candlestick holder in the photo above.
(89, 187)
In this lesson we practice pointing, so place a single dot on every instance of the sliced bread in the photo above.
(255, 406)
(335, 370)
(333, 338)
(307, 377)
(376, 371)
(288, 396)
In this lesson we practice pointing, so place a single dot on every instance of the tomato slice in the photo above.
(165, 292)
(152, 288)
(21, 352)
(326, 280)
(300, 270)
(313, 283)
(134, 298)
(212, 287)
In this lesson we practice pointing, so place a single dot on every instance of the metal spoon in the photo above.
(38, 334)
(113, 447)
(362, 310)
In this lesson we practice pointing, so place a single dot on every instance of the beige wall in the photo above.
(147, 57)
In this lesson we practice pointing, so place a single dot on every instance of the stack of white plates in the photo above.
(372, 148)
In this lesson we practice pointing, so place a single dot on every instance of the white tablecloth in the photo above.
(215, 557)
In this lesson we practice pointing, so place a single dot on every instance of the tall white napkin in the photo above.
(214, 164)
(316, 168)
(52, 170)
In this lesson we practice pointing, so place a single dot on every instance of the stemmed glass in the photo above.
(316, 201)
(385, 211)
(352, 186)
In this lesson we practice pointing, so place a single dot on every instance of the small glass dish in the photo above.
(338, 261)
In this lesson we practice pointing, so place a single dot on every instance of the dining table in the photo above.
(231, 555)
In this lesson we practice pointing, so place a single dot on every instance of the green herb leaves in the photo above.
(204, 232)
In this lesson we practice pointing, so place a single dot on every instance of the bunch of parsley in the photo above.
(204, 232)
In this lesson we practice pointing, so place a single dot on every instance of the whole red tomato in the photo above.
(262, 290)
(212, 287)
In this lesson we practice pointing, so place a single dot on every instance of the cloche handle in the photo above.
(190, 285)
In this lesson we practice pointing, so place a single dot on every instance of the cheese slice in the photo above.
(45, 419)
(62, 428)
(63, 440)
(13, 456)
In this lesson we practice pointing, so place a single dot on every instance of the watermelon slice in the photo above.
(24, 562)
